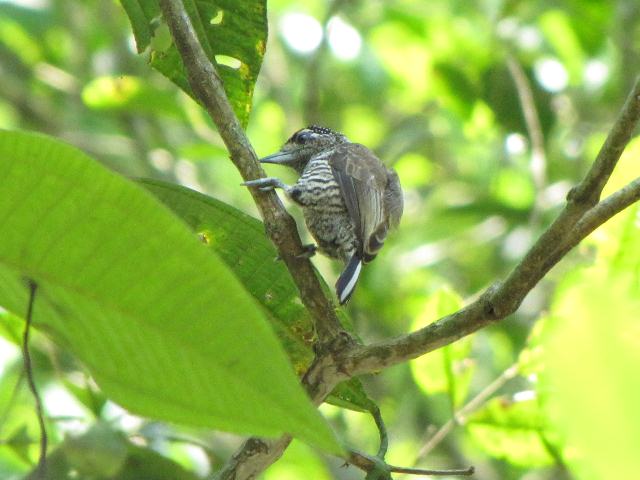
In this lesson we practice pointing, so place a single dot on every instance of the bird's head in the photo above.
(303, 145)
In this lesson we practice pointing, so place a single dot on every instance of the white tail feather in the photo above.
(348, 279)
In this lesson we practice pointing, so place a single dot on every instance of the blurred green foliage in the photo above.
(431, 91)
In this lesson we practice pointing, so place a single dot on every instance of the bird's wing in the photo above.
(393, 201)
(362, 179)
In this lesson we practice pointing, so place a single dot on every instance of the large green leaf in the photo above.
(592, 357)
(239, 240)
(162, 324)
(233, 34)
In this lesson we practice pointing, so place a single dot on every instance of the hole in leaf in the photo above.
(217, 20)
(228, 61)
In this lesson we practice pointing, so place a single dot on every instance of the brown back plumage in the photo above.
(371, 193)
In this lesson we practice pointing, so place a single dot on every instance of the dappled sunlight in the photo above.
(490, 113)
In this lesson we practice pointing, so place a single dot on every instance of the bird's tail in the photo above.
(348, 279)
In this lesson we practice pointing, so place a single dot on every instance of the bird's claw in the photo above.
(308, 251)
(264, 184)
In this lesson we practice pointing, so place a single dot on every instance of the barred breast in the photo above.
(324, 210)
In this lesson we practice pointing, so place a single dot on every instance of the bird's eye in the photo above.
(303, 136)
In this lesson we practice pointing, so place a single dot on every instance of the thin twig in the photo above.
(460, 416)
(367, 463)
(538, 162)
(382, 430)
(28, 368)
(464, 472)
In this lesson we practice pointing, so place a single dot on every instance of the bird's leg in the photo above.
(271, 183)
(308, 251)
(267, 184)
(294, 192)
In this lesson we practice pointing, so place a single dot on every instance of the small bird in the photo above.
(349, 199)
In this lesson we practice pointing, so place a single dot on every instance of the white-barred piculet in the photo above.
(349, 199)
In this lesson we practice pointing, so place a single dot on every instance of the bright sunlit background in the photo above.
(438, 89)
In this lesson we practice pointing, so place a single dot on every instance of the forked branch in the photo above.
(581, 215)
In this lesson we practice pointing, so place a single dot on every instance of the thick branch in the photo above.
(255, 455)
(579, 218)
(280, 226)
(481, 313)
(610, 206)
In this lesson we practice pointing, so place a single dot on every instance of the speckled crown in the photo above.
(321, 130)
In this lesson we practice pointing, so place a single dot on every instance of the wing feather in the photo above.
(362, 179)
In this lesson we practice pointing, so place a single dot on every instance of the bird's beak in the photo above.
(282, 158)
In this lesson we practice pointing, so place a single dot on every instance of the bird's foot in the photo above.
(265, 184)
(308, 251)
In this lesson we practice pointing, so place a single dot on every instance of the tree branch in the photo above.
(590, 189)
(579, 218)
(459, 417)
(538, 162)
(609, 207)
(280, 226)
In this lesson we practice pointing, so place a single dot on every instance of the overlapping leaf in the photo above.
(232, 33)
(163, 325)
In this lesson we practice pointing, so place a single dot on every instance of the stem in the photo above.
(28, 368)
